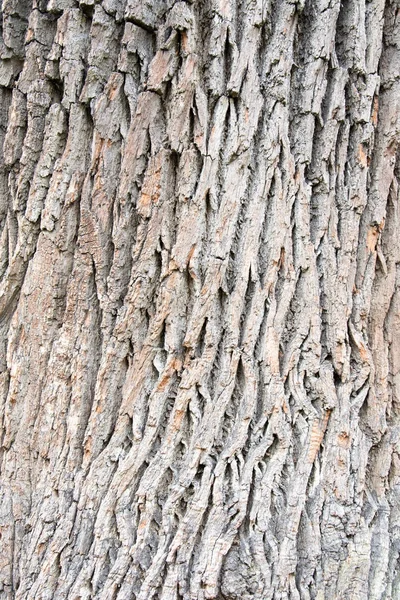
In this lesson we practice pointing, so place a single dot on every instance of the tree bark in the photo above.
(200, 300)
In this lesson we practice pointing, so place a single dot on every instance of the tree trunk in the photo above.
(200, 300)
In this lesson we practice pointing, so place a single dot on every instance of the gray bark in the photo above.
(200, 300)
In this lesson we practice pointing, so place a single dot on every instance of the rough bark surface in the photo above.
(200, 300)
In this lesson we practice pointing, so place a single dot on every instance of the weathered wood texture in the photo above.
(200, 300)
